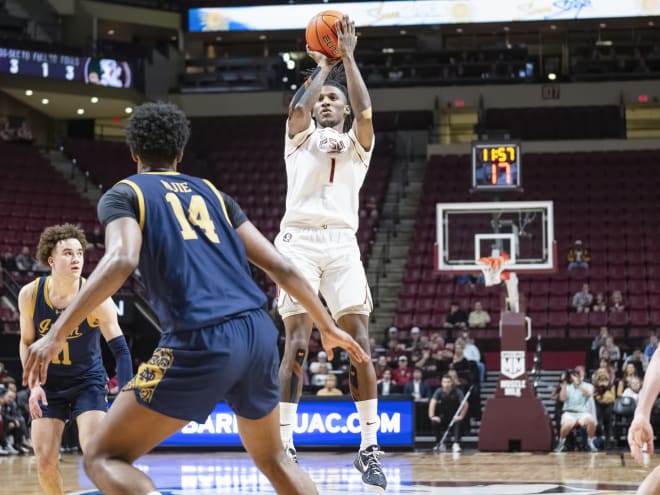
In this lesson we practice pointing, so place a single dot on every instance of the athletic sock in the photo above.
(369, 422)
(288, 417)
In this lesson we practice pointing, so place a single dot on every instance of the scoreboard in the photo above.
(496, 166)
(100, 71)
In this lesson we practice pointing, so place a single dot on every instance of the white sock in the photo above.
(288, 419)
(154, 493)
(369, 422)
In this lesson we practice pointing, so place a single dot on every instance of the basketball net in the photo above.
(493, 269)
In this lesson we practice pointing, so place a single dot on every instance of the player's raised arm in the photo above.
(300, 109)
(357, 89)
(263, 254)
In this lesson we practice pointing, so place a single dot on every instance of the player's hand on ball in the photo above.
(346, 37)
(320, 58)
(336, 337)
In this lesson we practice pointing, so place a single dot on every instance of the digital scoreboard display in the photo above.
(91, 70)
(496, 166)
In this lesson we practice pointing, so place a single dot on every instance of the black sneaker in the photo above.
(368, 464)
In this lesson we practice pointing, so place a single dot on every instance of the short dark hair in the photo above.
(157, 132)
(54, 234)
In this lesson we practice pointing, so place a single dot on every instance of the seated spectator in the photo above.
(24, 133)
(413, 341)
(576, 395)
(598, 342)
(578, 256)
(637, 359)
(611, 351)
(651, 346)
(600, 303)
(318, 378)
(386, 386)
(616, 302)
(443, 407)
(582, 300)
(370, 208)
(456, 317)
(417, 388)
(629, 373)
(391, 333)
(606, 364)
(472, 353)
(429, 365)
(633, 388)
(14, 423)
(8, 262)
(25, 261)
(329, 387)
(478, 318)
(403, 374)
(96, 238)
(321, 360)
(380, 366)
(395, 349)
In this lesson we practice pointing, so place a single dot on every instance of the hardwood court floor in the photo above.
(232, 473)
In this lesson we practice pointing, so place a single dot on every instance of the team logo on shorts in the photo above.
(287, 237)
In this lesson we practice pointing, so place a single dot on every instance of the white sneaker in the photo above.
(590, 444)
(455, 447)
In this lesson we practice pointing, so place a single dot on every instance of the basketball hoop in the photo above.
(493, 267)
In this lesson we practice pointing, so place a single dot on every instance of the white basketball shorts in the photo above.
(330, 261)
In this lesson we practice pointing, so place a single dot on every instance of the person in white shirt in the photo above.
(328, 146)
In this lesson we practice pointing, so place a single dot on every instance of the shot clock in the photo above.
(496, 166)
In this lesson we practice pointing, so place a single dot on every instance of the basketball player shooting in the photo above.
(328, 145)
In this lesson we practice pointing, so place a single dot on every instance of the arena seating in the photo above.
(609, 200)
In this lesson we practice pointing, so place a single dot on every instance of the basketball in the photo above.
(321, 34)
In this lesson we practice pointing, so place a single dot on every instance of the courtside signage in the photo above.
(414, 12)
(320, 423)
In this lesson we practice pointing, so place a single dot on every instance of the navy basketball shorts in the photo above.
(76, 400)
(236, 361)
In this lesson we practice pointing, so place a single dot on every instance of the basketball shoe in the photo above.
(368, 463)
(291, 452)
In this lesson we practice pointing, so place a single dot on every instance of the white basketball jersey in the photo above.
(325, 170)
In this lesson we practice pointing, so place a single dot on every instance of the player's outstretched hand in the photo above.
(640, 433)
(39, 356)
(37, 394)
(346, 37)
(336, 337)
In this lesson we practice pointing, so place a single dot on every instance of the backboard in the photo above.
(469, 231)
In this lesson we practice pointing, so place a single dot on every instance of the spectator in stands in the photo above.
(330, 387)
(371, 207)
(24, 133)
(417, 388)
(616, 302)
(8, 262)
(606, 364)
(651, 346)
(3, 372)
(25, 261)
(96, 238)
(600, 303)
(395, 349)
(611, 351)
(578, 256)
(443, 407)
(7, 133)
(456, 317)
(380, 366)
(604, 396)
(322, 371)
(598, 342)
(403, 374)
(629, 373)
(576, 394)
(472, 353)
(633, 388)
(582, 300)
(391, 333)
(478, 318)
(386, 386)
(413, 341)
(637, 359)
(14, 423)
(429, 365)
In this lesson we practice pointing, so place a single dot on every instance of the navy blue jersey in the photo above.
(192, 261)
(80, 361)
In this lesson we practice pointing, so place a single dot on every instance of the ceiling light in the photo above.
(459, 30)
(111, 32)
(80, 111)
(651, 23)
(262, 37)
(28, 92)
(553, 27)
(552, 76)
(603, 25)
(44, 101)
(128, 109)
(403, 32)
(94, 99)
(506, 28)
